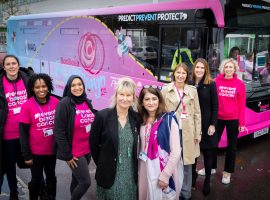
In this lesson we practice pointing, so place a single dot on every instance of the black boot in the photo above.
(194, 174)
(33, 191)
(51, 189)
(206, 187)
(13, 196)
(1, 182)
(194, 179)
(43, 194)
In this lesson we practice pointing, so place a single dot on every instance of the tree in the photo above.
(12, 7)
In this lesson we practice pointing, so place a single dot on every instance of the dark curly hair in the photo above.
(31, 83)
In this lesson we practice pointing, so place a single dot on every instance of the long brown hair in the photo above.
(207, 79)
(161, 107)
(184, 67)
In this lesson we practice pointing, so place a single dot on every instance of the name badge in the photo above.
(47, 132)
(143, 156)
(16, 110)
(184, 115)
(88, 128)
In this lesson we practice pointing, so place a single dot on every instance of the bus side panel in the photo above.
(77, 45)
(255, 122)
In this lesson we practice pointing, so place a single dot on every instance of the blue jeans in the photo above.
(187, 182)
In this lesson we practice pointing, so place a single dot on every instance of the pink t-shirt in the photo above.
(231, 99)
(82, 125)
(41, 120)
(16, 96)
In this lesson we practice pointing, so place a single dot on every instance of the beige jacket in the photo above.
(191, 126)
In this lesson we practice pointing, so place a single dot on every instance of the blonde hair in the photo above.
(224, 62)
(125, 83)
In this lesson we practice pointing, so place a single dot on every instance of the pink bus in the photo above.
(145, 42)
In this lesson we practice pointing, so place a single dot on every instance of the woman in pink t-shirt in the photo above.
(36, 134)
(73, 119)
(231, 112)
(13, 94)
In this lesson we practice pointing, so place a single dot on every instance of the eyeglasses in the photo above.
(152, 86)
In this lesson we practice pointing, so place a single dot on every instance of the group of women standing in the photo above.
(39, 127)
(155, 148)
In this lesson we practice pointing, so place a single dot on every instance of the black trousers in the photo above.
(40, 163)
(232, 135)
(208, 157)
(11, 152)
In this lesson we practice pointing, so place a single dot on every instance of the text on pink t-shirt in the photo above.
(16, 96)
(41, 120)
(82, 125)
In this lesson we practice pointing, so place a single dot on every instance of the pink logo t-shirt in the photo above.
(16, 96)
(41, 120)
(82, 125)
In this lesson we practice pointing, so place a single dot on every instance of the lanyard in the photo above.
(16, 98)
(146, 136)
(147, 132)
(181, 98)
(41, 111)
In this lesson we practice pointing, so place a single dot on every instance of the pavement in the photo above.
(22, 189)
(250, 181)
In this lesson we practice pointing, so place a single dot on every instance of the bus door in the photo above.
(45, 66)
(179, 44)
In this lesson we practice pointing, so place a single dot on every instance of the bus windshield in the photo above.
(253, 58)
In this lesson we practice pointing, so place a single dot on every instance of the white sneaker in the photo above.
(226, 178)
(201, 172)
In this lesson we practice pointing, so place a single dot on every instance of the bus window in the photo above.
(178, 44)
(215, 51)
(262, 58)
(251, 65)
(143, 41)
(245, 42)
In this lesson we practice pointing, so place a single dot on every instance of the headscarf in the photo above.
(67, 90)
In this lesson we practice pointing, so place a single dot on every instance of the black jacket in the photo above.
(209, 109)
(4, 107)
(104, 144)
(64, 127)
